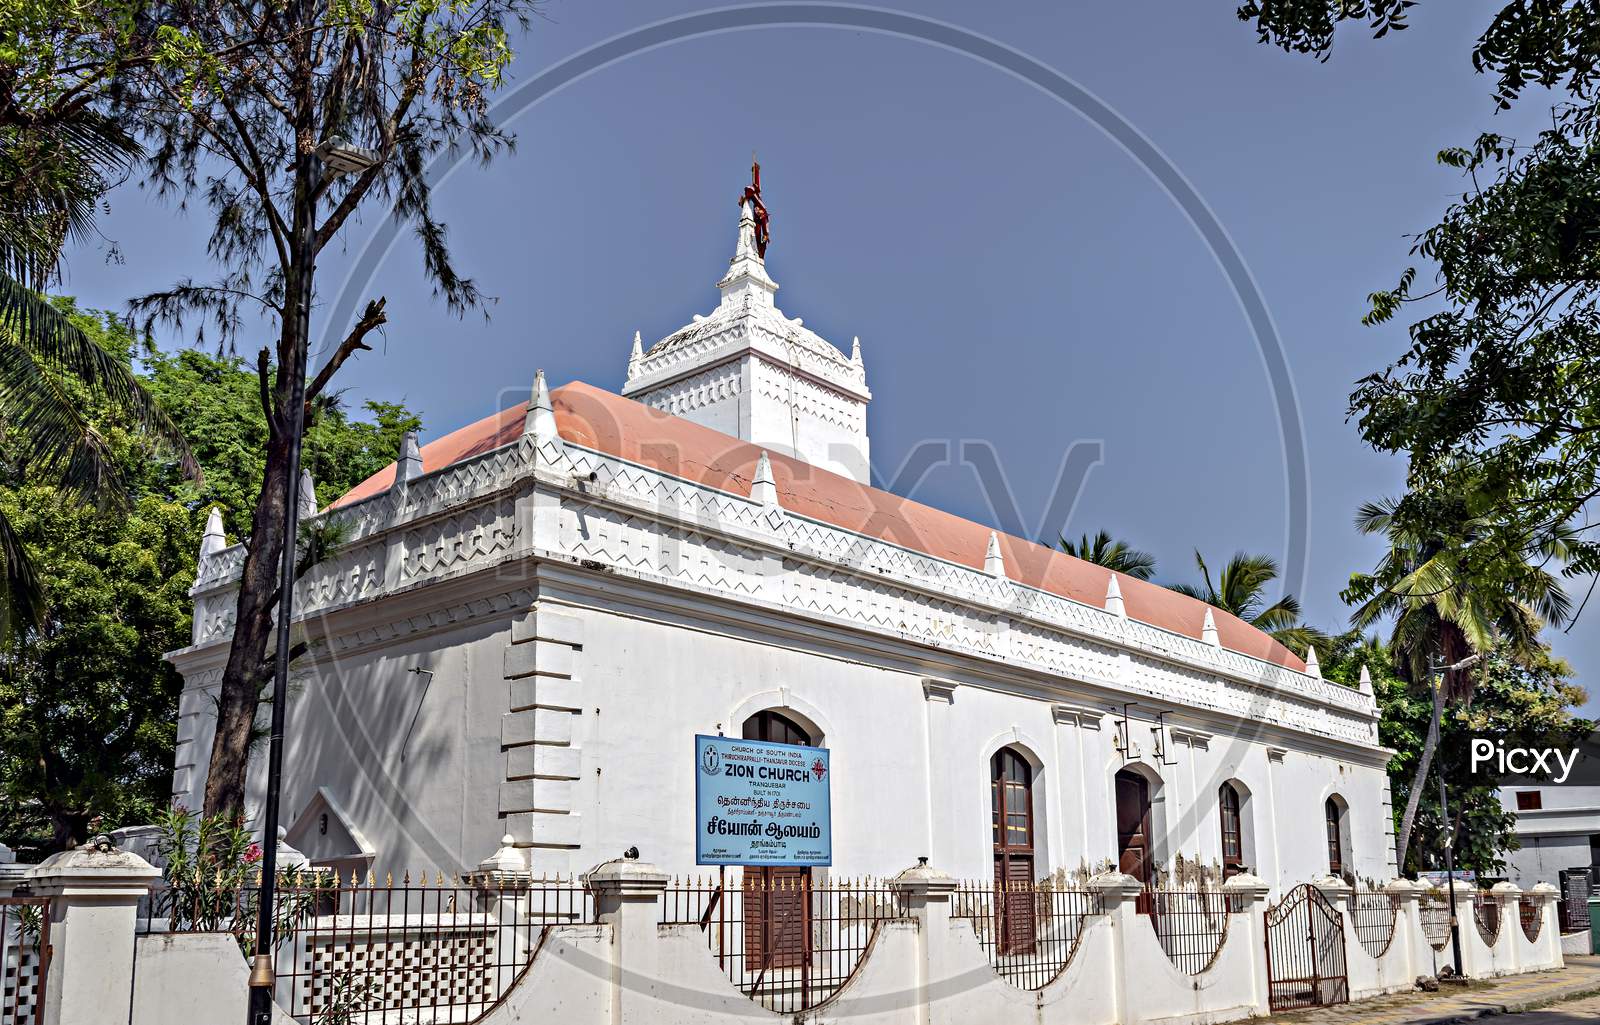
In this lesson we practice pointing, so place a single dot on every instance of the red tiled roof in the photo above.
(626, 429)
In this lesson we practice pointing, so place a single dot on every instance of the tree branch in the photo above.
(372, 318)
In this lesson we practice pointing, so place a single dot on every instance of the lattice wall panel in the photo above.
(19, 980)
(435, 973)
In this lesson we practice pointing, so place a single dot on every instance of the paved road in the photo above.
(1587, 1010)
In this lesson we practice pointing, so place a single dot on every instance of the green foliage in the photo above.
(1115, 555)
(1241, 589)
(1551, 43)
(1510, 699)
(1496, 402)
(88, 706)
(215, 402)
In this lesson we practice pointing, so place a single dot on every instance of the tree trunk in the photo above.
(242, 679)
(1430, 744)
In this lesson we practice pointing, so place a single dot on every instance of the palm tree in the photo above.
(1113, 555)
(1446, 617)
(53, 172)
(1241, 590)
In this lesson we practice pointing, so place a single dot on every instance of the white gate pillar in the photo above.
(1544, 895)
(1408, 925)
(1509, 895)
(94, 893)
(627, 893)
(1119, 895)
(1247, 898)
(924, 893)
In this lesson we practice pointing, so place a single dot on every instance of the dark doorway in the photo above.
(777, 899)
(1011, 797)
(1135, 844)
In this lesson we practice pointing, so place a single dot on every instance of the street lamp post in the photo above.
(1450, 872)
(339, 157)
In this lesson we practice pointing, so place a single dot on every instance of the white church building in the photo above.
(535, 614)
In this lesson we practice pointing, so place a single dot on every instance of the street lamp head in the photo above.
(341, 156)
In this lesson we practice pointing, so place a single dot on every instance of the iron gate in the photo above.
(1305, 952)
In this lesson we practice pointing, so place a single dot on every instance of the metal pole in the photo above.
(261, 974)
(1450, 871)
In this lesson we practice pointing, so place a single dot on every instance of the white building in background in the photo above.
(535, 614)
(1558, 828)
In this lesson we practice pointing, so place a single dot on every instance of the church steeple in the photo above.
(754, 374)
(747, 271)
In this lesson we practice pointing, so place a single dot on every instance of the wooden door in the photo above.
(777, 899)
(1011, 799)
(1134, 854)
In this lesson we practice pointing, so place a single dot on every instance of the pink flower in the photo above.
(252, 854)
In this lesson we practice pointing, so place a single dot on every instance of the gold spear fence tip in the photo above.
(388, 879)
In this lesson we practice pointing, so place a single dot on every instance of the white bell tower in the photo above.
(750, 372)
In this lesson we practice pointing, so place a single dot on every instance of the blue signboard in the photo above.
(759, 803)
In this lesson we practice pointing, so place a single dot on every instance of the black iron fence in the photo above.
(1434, 910)
(1486, 913)
(1532, 917)
(1374, 913)
(785, 939)
(1030, 931)
(1191, 925)
(24, 958)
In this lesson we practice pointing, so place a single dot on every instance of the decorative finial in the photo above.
(1114, 603)
(409, 466)
(1208, 630)
(855, 350)
(308, 495)
(541, 419)
(1365, 682)
(636, 356)
(764, 488)
(994, 562)
(213, 540)
(1313, 668)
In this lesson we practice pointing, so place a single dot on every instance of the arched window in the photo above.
(1011, 800)
(1333, 815)
(1232, 831)
(777, 899)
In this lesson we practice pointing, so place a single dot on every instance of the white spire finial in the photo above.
(1313, 668)
(1114, 603)
(308, 495)
(1365, 683)
(637, 355)
(1208, 630)
(409, 466)
(994, 563)
(747, 271)
(213, 540)
(855, 350)
(541, 419)
(764, 488)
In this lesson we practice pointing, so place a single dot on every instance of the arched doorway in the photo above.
(1232, 822)
(1011, 799)
(1135, 840)
(777, 899)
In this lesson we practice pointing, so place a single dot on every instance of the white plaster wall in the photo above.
(190, 978)
(1540, 859)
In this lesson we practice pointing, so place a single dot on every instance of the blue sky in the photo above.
(1013, 275)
